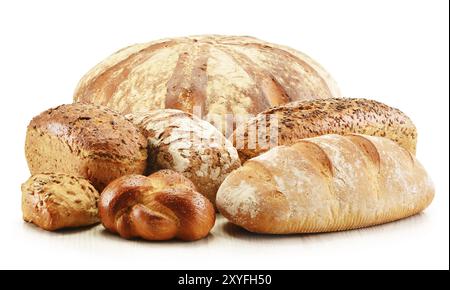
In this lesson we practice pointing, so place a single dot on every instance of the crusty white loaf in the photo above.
(327, 183)
(186, 144)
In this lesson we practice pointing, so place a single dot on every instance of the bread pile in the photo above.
(143, 148)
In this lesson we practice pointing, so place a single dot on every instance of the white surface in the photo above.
(393, 51)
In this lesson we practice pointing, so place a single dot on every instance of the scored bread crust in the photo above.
(85, 140)
(186, 144)
(54, 201)
(220, 74)
(326, 183)
(306, 119)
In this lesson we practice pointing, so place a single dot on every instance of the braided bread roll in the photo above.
(326, 183)
(163, 206)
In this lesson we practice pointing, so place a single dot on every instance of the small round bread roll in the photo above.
(56, 201)
(163, 206)
(85, 140)
(184, 143)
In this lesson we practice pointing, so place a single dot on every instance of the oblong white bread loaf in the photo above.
(326, 183)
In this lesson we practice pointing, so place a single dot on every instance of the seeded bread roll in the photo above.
(188, 145)
(56, 201)
(326, 183)
(85, 140)
(288, 124)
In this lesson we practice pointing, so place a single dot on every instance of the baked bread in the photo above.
(55, 201)
(288, 124)
(323, 184)
(163, 206)
(212, 74)
(186, 144)
(85, 140)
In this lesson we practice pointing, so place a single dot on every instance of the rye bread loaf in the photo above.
(55, 201)
(326, 183)
(85, 140)
(216, 74)
(295, 121)
(188, 145)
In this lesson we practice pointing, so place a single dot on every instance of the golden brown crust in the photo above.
(54, 201)
(220, 74)
(163, 206)
(326, 183)
(306, 119)
(85, 140)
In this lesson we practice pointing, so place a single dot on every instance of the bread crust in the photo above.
(85, 140)
(306, 119)
(219, 74)
(323, 184)
(186, 144)
(54, 201)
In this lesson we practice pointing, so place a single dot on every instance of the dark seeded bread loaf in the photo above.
(306, 119)
(85, 140)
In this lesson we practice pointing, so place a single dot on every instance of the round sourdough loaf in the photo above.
(186, 144)
(215, 74)
(85, 140)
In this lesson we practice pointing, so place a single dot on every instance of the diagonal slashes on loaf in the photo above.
(326, 183)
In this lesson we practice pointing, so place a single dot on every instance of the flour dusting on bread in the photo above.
(188, 145)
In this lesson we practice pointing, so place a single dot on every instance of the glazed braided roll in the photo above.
(163, 206)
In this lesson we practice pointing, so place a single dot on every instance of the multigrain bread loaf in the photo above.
(85, 140)
(54, 201)
(163, 206)
(323, 184)
(288, 124)
(215, 74)
(186, 144)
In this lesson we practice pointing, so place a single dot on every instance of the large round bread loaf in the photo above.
(326, 183)
(188, 145)
(85, 140)
(290, 123)
(217, 74)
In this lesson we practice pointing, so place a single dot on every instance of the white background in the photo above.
(393, 51)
